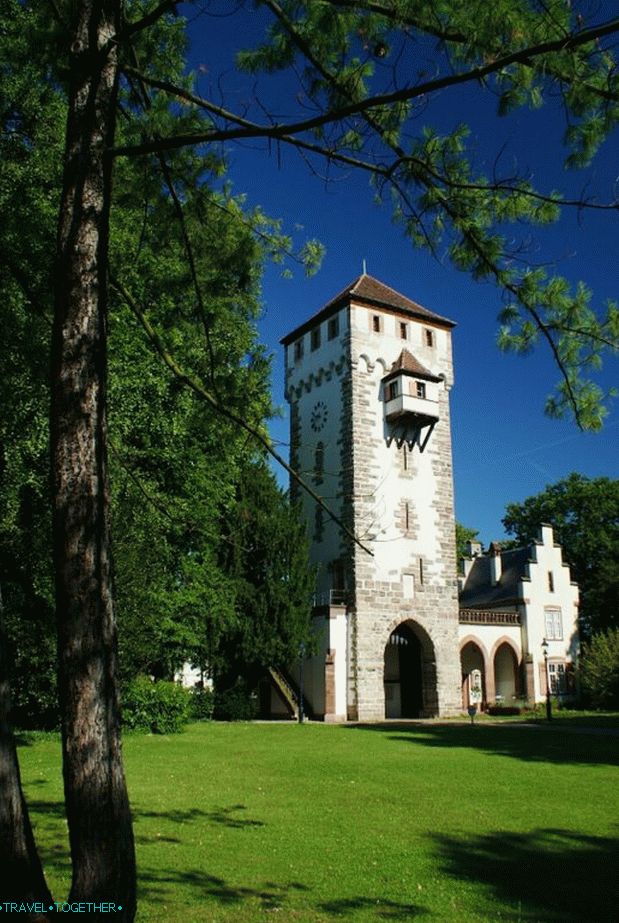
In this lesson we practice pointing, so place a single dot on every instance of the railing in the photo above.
(486, 617)
(286, 690)
(331, 598)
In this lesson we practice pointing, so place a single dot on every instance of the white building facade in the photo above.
(518, 633)
(368, 380)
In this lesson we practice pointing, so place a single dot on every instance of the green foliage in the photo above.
(463, 535)
(585, 515)
(238, 702)
(202, 703)
(266, 556)
(159, 707)
(599, 669)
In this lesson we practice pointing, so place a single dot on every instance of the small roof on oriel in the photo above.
(407, 363)
(368, 290)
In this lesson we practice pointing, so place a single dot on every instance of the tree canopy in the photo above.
(139, 127)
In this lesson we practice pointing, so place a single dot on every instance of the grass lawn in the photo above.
(259, 822)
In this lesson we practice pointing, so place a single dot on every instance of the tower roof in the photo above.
(368, 290)
(406, 362)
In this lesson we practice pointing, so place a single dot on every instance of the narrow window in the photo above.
(315, 338)
(318, 524)
(319, 464)
(551, 581)
(407, 517)
(421, 389)
(393, 390)
(408, 586)
(333, 328)
(405, 457)
(421, 570)
(403, 331)
(376, 323)
(298, 350)
(429, 338)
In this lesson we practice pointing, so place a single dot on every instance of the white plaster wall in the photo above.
(317, 377)
(488, 637)
(548, 558)
(338, 642)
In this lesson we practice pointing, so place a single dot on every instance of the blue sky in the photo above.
(505, 449)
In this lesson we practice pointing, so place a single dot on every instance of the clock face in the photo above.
(319, 416)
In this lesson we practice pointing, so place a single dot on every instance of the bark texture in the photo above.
(98, 814)
(21, 875)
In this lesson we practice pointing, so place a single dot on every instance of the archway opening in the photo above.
(505, 674)
(473, 676)
(403, 674)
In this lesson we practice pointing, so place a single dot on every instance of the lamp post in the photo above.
(301, 659)
(548, 700)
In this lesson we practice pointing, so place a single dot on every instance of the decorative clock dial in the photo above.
(319, 416)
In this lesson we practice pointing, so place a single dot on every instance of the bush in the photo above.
(162, 708)
(599, 669)
(202, 703)
(238, 703)
(504, 710)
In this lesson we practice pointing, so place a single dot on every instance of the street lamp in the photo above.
(301, 704)
(548, 700)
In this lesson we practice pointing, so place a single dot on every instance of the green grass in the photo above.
(259, 822)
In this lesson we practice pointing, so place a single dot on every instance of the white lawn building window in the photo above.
(554, 624)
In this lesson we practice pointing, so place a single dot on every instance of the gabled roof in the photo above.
(367, 290)
(406, 362)
(478, 592)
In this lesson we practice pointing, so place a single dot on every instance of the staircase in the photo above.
(289, 692)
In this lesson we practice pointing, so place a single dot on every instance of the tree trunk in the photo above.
(20, 866)
(98, 814)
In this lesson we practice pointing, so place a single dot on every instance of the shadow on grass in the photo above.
(529, 742)
(383, 909)
(545, 875)
(225, 817)
(163, 884)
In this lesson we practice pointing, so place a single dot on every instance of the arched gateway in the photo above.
(409, 673)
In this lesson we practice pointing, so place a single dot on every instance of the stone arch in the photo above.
(409, 671)
(474, 656)
(505, 658)
(369, 365)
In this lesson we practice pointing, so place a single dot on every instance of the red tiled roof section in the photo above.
(406, 362)
(369, 290)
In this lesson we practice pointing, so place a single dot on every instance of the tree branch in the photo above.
(360, 106)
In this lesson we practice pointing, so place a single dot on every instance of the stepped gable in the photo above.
(406, 362)
(368, 290)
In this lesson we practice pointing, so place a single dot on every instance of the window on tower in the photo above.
(298, 350)
(319, 463)
(403, 331)
(420, 389)
(333, 328)
(315, 338)
(393, 390)
(376, 323)
(429, 337)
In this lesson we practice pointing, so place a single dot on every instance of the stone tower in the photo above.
(368, 380)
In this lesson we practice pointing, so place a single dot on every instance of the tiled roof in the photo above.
(366, 289)
(406, 362)
(478, 592)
